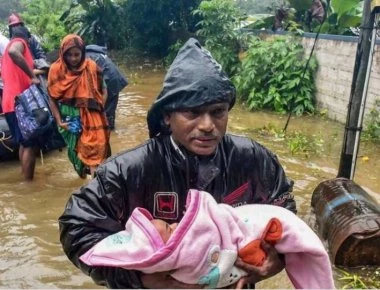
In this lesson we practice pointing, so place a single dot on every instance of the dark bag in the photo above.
(32, 111)
(54, 141)
(8, 146)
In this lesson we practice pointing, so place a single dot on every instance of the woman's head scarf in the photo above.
(71, 41)
(80, 87)
(194, 79)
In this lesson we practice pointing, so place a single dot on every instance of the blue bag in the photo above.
(32, 111)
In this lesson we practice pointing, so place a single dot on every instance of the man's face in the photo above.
(199, 129)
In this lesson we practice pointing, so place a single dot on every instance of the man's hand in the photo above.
(163, 280)
(38, 71)
(35, 80)
(272, 265)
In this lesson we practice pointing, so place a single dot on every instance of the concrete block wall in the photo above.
(336, 58)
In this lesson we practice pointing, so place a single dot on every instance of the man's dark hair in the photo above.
(20, 32)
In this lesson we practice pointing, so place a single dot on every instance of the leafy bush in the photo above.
(157, 24)
(372, 129)
(307, 145)
(218, 30)
(342, 16)
(273, 76)
(172, 52)
(353, 280)
(42, 17)
(99, 22)
(298, 143)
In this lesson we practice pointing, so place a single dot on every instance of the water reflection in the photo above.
(30, 252)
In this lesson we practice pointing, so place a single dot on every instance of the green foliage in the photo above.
(257, 6)
(150, 25)
(297, 142)
(342, 16)
(372, 129)
(352, 281)
(42, 18)
(173, 50)
(218, 30)
(157, 24)
(142, 26)
(273, 76)
(273, 133)
(356, 281)
(259, 21)
(300, 5)
(98, 21)
(305, 144)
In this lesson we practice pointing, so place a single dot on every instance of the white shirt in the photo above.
(3, 43)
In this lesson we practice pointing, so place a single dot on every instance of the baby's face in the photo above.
(164, 229)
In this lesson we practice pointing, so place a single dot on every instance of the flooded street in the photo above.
(30, 253)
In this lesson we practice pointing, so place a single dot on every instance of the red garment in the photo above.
(14, 78)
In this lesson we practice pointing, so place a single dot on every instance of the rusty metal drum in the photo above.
(349, 219)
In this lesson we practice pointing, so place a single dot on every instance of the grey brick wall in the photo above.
(336, 58)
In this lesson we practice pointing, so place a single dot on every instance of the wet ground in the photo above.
(30, 252)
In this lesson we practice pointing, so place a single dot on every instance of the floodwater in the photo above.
(30, 252)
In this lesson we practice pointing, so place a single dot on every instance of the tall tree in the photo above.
(154, 22)
(218, 30)
(98, 21)
(42, 18)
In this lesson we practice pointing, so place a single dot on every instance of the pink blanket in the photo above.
(207, 241)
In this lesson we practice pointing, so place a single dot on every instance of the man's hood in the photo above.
(96, 48)
(194, 79)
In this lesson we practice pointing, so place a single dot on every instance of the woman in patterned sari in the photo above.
(77, 96)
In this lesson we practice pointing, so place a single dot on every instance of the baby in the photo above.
(164, 229)
(204, 246)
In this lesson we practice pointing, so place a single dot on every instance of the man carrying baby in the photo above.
(188, 148)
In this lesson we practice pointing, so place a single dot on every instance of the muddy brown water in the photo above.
(30, 252)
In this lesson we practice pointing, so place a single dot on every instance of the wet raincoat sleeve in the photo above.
(272, 184)
(114, 78)
(91, 214)
(36, 48)
(255, 170)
